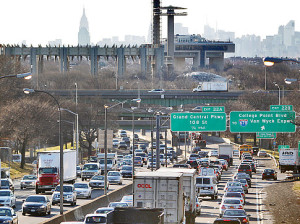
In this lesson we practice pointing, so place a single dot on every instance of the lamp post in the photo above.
(61, 158)
(76, 135)
(278, 92)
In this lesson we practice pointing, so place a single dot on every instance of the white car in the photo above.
(83, 190)
(156, 91)
(230, 203)
(213, 153)
(69, 195)
(233, 184)
(114, 177)
(28, 181)
(98, 181)
(7, 198)
(95, 218)
(115, 142)
(128, 199)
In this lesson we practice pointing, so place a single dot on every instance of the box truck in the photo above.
(211, 86)
(226, 152)
(48, 171)
(189, 190)
(289, 160)
(160, 190)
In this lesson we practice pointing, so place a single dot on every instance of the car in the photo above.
(244, 184)
(269, 174)
(236, 152)
(126, 171)
(78, 171)
(193, 156)
(150, 163)
(89, 170)
(8, 215)
(128, 199)
(236, 213)
(97, 181)
(95, 218)
(180, 165)
(193, 163)
(93, 159)
(122, 145)
(7, 198)
(255, 150)
(118, 204)
(138, 161)
(213, 153)
(262, 153)
(83, 190)
(143, 155)
(196, 149)
(232, 184)
(156, 91)
(127, 162)
(69, 195)
(198, 205)
(28, 181)
(237, 189)
(230, 203)
(6, 183)
(207, 186)
(115, 142)
(243, 176)
(114, 177)
(36, 204)
(126, 140)
(227, 221)
(245, 168)
(120, 157)
(136, 137)
(236, 195)
(122, 133)
(104, 210)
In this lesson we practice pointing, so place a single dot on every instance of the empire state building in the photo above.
(83, 33)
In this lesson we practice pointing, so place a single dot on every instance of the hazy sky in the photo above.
(40, 21)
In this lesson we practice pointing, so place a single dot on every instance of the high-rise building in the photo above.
(83, 33)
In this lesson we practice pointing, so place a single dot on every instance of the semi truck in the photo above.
(48, 169)
(226, 152)
(289, 160)
(160, 190)
(211, 87)
(189, 190)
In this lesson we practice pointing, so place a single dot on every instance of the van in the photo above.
(16, 158)
(207, 186)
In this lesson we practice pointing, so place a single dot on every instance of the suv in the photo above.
(245, 168)
(69, 195)
(89, 170)
(207, 186)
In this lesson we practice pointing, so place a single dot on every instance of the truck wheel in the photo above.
(23, 213)
(212, 197)
(21, 187)
(37, 191)
(82, 179)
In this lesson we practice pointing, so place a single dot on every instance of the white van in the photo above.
(207, 186)
(16, 158)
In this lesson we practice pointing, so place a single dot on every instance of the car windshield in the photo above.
(35, 199)
(233, 194)
(118, 204)
(29, 178)
(66, 188)
(4, 183)
(48, 170)
(230, 201)
(234, 213)
(79, 185)
(4, 193)
(90, 167)
(109, 161)
(141, 154)
(103, 211)
(95, 219)
(137, 158)
(98, 178)
(231, 184)
(5, 212)
(113, 174)
(234, 189)
(127, 168)
(127, 198)
(268, 171)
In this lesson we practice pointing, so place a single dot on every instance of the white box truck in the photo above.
(160, 190)
(226, 152)
(189, 190)
(289, 160)
(211, 86)
(49, 169)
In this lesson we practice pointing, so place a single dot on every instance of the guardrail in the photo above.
(78, 213)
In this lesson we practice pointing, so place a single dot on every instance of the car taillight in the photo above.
(197, 205)
(211, 187)
(240, 207)
(241, 200)
(245, 220)
(248, 170)
(272, 173)
(223, 207)
(246, 185)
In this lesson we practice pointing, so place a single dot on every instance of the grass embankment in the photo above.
(16, 171)
(296, 187)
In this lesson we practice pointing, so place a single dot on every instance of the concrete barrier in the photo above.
(78, 213)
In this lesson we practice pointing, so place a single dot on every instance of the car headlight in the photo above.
(69, 196)
(6, 221)
(43, 206)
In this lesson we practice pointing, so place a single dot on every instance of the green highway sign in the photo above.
(213, 109)
(299, 149)
(210, 121)
(283, 147)
(281, 107)
(266, 135)
(262, 121)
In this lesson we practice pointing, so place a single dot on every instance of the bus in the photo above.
(245, 148)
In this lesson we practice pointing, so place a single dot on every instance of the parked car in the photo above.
(28, 181)
(114, 177)
(237, 213)
(8, 215)
(36, 204)
(69, 195)
(97, 181)
(7, 198)
(83, 190)
(269, 174)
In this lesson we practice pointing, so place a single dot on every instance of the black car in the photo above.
(122, 145)
(8, 215)
(36, 204)
(193, 163)
(269, 174)
(245, 168)
(227, 221)
(126, 171)
(202, 154)
(238, 214)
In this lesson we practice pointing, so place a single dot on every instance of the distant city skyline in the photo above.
(38, 22)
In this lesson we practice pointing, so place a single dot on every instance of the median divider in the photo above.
(78, 213)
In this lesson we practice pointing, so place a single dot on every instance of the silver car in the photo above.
(83, 190)
(28, 181)
(230, 203)
(114, 177)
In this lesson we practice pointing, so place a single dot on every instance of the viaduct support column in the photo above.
(121, 61)
(143, 60)
(64, 65)
(94, 60)
(202, 58)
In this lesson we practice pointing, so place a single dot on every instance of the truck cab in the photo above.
(48, 179)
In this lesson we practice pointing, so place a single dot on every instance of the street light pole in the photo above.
(61, 151)
(278, 92)
(105, 149)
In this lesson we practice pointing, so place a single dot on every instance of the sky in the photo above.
(40, 21)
